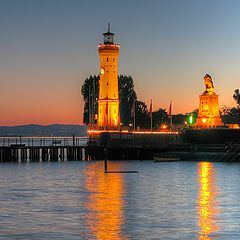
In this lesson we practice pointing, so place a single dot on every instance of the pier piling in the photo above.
(19, 153)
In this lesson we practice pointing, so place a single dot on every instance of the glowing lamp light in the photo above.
(191, 119)
(204, 120)
(95, 131)
(164, 126)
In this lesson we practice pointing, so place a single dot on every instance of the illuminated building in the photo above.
(108, 102)
(208, 113)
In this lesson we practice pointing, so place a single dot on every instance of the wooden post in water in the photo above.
(23, 154)
(73, 140)
(105, 160)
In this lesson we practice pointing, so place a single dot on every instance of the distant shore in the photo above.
(54, 130)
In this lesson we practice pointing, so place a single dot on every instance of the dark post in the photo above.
(73, 140)
(105, 159)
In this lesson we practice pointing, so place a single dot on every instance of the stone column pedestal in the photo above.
(208, 115)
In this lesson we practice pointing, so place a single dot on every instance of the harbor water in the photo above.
(77, 200)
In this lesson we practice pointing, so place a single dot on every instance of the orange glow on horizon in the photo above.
(207, 205)
(31, 101)
(48, 116)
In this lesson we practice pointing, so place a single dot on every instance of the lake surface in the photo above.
(76, 200)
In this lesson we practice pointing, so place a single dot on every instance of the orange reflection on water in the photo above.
(207, 205)
(105, 203)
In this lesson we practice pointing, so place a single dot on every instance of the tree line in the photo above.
(232, 114)
(128, 96)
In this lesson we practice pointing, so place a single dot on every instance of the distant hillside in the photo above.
(39, 130)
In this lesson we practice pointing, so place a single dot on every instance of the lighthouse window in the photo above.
(114, 94)
(113, 59)
(107, 83)
(107, 59)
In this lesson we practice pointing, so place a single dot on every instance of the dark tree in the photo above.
(195, 113)
(127, 96)
(230, 115)
(159, 117)
(89, 91)
(180, 118)
(225, 110)
(142, 115)
(236, 96)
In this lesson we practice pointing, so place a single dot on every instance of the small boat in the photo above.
(166, 159)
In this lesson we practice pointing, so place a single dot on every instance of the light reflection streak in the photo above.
(105, 203)
(133, 132)
(207, 205)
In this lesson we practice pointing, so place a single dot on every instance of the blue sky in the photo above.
(48, 48)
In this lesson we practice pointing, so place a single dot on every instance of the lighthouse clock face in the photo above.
(102, 71)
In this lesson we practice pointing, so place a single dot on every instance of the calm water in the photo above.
(76, 200)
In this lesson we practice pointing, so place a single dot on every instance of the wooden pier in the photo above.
(118, 146)
(219, 152)
(20, 153)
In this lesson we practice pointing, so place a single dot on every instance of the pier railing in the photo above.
(26, 149)
(43, 141)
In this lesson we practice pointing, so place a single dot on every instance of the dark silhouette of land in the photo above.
(40, 130)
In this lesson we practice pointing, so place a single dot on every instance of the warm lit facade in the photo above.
(208, 112)
(108, 102)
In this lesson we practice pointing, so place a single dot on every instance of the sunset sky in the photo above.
(48, 48)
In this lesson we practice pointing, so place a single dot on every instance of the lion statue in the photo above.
(208, 84)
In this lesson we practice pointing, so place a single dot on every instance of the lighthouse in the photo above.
(108, 101)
